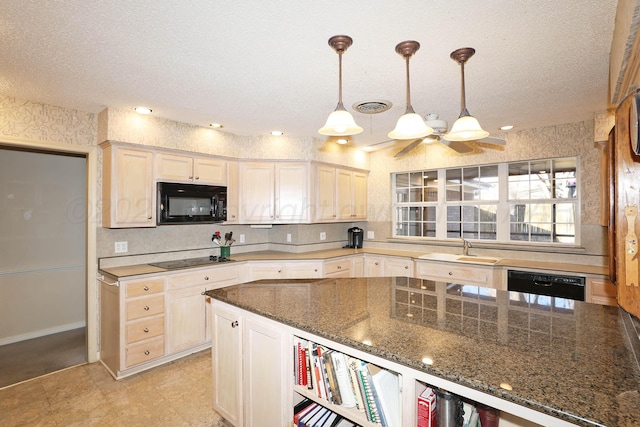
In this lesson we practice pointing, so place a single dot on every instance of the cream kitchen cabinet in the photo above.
(258, 270)
(128, 194)
(385, 266)
(457, 272)
(248, 370)
(340, 194)
(132, 332)
(274, 193)
(338, 267)
(192, 169)
(187, 307)
(351, 195)
(233, 189)
(373, 266)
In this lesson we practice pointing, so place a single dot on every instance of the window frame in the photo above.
(502, 206)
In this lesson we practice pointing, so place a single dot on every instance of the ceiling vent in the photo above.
(375, 106)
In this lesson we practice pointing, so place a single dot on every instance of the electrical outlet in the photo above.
(370, 235)
(288, 237)
(323, 235)
(121, 247)
(242, 238)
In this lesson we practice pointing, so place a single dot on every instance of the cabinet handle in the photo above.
(202, 293)
(375, 263)
(197, 177)
(206, 277)
(279, 271)
(146, 330)
(406, 267)
(146, 308)
(149, 218)
(191, 177)
(233, 216)
(234, 323)
(146, 352)
(315, 270)
(146, 288)
(339, 267)
(451, 273)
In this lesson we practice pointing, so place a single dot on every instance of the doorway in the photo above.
(43, 269)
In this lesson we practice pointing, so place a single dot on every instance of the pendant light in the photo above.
(467, 127)
(410, 125)
(340, 122)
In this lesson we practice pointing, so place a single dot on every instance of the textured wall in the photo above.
(25, 119)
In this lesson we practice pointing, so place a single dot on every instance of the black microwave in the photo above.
(190, 203)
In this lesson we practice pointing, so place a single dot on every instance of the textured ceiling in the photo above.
(256, 66)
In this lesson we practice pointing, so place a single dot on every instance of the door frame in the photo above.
(91, 155)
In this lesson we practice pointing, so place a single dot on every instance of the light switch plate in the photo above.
(288, 237)
(242, 238)
(121, 247)
(323, 235)
(370, 235)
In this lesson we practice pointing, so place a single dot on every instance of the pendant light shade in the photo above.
(340, 122)
(467, 127)
(410, 125)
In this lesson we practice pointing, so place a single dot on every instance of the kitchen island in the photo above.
(548, 360)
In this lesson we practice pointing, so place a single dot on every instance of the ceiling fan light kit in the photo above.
(410, 125)
(467, 127)
(340, 122)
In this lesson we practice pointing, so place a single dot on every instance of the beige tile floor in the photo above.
(175, 394)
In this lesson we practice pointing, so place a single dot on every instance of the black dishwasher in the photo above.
(553, 285)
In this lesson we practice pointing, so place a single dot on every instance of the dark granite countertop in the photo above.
(565, 358)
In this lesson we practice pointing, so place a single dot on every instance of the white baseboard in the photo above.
(42, 332)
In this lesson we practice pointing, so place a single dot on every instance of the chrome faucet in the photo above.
(465, 247)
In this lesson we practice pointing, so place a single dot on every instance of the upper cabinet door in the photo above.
(174, 168)
(257, 193)
(292, 192)
(325, 208)
(127, 188)
(344, 191)
(209, 171)
(199, 170)
(359, 196)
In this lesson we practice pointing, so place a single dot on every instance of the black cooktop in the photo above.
(191, 262)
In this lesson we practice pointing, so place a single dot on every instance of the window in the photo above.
(528, 201)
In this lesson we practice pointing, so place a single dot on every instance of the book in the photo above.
(329, 370)
(322, 373)
(302, 408)
(355, 384)
(304, 418)
(343, 379)
(386, 387)
(311, 421)
(371, 411)
(307, 365)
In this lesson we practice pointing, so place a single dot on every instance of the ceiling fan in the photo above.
(439, 130)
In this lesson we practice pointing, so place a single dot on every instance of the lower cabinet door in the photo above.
(263, 375)
(186, 319)
(226, 352)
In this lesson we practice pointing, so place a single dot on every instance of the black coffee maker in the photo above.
(355, 237)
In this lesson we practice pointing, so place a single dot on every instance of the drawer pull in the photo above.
(376, 263)
(339, 267)
(451, 273)
(146, 288)
(406, 267)
(206, 277)
(234, 323)
(146, 352)
(146, 330)
(146, 308)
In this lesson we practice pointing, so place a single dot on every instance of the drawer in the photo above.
(144, 287)
(144, 351)
(603, 288)
(452, 272)
(337, 266)
(143, 307)
(212, 277)
(144, 329)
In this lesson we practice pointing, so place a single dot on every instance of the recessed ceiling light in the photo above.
(215, 125)
(342, 141)
(367, 148)
(143, 110)
(506, 127)
(277, 133)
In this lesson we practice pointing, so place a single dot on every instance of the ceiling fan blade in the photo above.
(408, 148)
(458, 146)
(492, 140)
